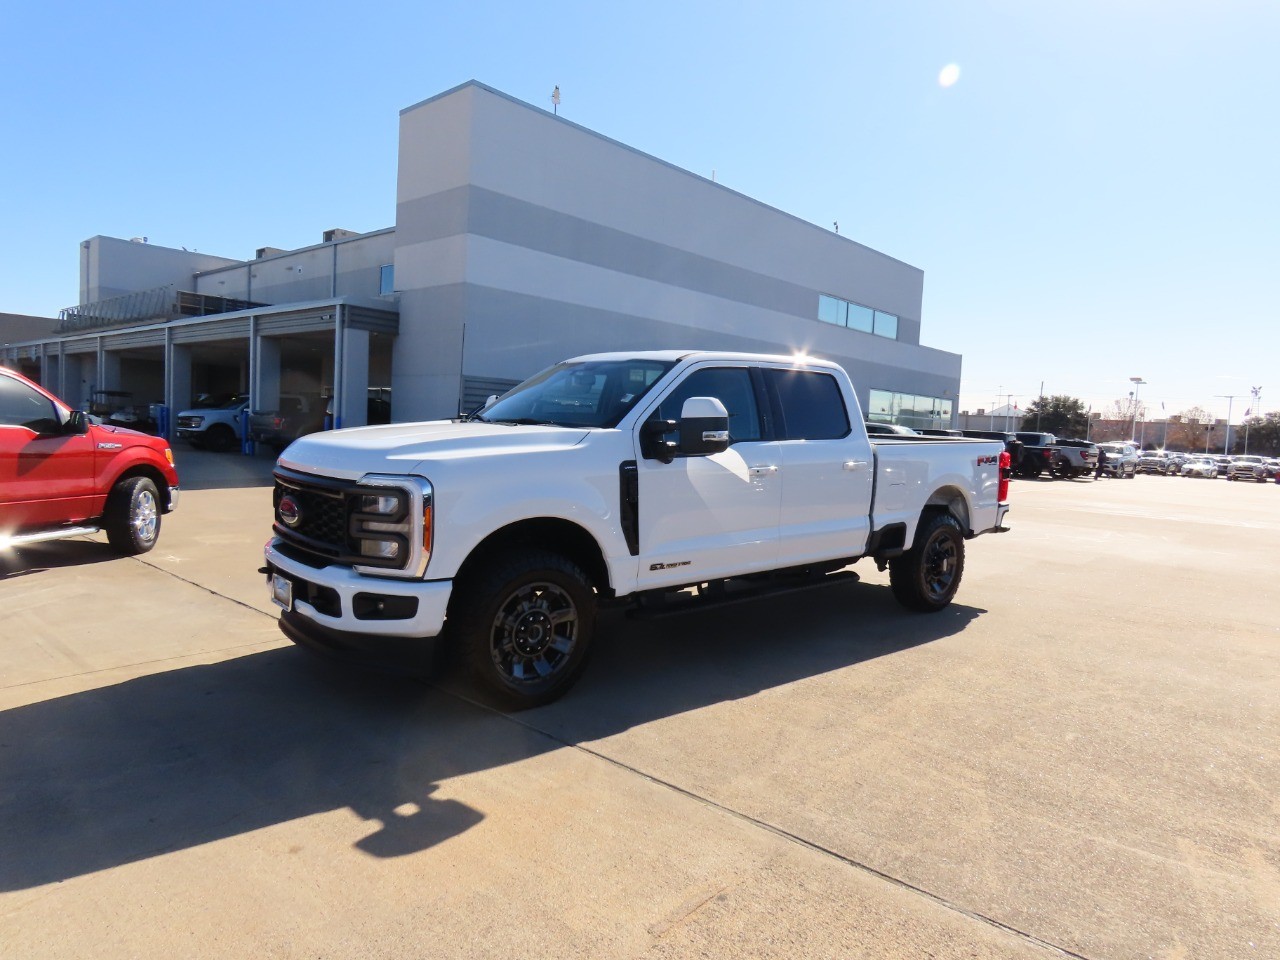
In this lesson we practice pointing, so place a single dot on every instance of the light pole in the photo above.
(1133, 428)
(1254, 392)
(1230, 398)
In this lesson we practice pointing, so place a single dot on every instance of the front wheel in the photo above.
(927, 576)
(220, 437)
(524, 625)
(132, 518)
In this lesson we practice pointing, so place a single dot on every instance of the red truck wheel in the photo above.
(132, 518)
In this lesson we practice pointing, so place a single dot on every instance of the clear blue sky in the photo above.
(1095, 197)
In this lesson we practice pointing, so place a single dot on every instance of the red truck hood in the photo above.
(397, 448)
(126, 435)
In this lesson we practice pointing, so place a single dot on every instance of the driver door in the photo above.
(46, 476)
(707, 517)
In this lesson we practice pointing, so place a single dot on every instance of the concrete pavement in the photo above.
(1078, 758)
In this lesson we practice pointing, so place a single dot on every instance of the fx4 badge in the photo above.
(982, 461)
(669, 566)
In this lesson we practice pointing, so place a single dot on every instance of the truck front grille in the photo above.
(327, 520)
(322, 518)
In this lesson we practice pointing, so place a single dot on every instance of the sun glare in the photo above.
(948, 76)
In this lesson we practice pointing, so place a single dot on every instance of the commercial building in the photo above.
(520, 238)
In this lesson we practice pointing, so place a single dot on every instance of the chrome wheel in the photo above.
(146, 516)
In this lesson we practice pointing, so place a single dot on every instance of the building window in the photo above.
(860, 318)
(886, 325)
(831, 310)
(386, 279)
(845, 313)
(910, 410)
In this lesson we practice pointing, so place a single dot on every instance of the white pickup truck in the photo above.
(655, 479)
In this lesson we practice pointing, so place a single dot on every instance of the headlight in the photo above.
(389, 527)
(379, 503)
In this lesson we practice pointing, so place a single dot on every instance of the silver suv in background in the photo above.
(1122, 459)
(1249, 467)
(1161, 461)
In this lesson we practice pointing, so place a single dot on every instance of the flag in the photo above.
(1249, 411)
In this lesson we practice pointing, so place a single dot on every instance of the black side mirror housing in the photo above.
(652, 446)
(704, 427)
(78, 422)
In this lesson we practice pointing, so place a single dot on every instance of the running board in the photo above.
(23, 539)
(656, 609)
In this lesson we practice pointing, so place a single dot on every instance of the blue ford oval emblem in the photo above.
(290, 512)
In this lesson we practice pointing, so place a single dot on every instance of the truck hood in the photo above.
(129, 435)
(398, 448)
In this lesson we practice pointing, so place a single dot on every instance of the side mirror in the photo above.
(704, 427)
(78, 422)
(652, 446)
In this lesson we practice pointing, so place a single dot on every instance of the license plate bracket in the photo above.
(282, 591)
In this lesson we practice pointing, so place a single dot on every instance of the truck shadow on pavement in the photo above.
(169, 761)
(42, 557)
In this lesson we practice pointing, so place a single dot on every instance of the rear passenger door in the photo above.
(826, 468)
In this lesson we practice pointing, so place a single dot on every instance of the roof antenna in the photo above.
(836, 224)
(555, 100)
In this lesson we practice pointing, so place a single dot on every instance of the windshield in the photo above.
(593, 393)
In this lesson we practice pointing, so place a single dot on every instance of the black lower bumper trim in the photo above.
(411, 656)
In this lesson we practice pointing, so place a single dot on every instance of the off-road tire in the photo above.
(132, 517)
(522, 627)
(927, 576)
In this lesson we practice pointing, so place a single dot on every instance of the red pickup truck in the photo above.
(63, 475)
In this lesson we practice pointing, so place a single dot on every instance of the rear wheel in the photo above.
(927, 576)
(523, 627)
(132, 518)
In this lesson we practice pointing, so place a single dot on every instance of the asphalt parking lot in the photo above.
(1081, 757)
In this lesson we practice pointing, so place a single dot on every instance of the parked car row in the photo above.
(1240, 467)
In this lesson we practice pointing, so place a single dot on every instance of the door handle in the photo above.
(854, 464)
(763, 471)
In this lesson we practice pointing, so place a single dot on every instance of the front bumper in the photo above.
(346, 594)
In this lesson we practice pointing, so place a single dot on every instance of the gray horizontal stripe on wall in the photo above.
(487, 214)
(515, 335)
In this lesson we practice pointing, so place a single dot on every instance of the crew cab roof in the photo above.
(676, 356)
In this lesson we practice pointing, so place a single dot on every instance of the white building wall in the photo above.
(542, 239)
(111, 267)
(343, 268)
